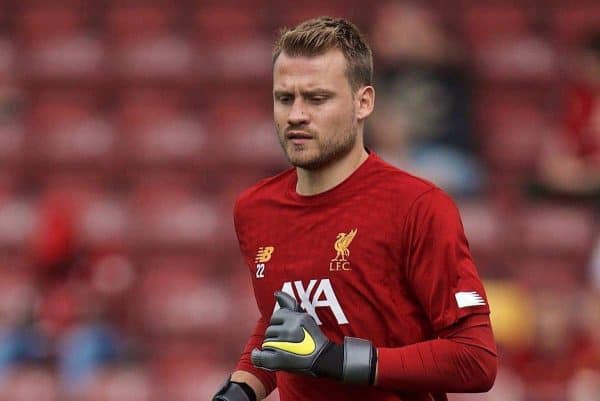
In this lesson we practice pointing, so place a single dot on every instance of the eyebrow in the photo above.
(312, 92)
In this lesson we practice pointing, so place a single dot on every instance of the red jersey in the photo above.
(381, 256)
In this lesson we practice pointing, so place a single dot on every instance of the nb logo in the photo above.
(264, 254)
(317, 294)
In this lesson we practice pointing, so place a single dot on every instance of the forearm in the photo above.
(464, 361)
(262, 381)
(254, 382)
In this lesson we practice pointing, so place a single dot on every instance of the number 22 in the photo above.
(260, 270)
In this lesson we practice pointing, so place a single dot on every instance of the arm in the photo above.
(462, 360)
(241, 376)
(256, 383)
(247, 383)
(442, 277)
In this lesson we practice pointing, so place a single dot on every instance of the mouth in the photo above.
(298, 137)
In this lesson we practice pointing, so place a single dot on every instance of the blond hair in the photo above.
(319, 35)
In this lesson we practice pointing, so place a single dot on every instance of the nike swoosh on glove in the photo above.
(294, 343)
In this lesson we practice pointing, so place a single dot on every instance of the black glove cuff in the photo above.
(360, 361)
(234, 391)
(331, 362)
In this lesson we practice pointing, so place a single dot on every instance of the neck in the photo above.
(313, 182)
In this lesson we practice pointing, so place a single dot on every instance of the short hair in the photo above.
(319, 35)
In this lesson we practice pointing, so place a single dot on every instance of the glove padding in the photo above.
(233, 391)
(294, 343)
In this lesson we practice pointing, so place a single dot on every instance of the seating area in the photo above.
(128, 128)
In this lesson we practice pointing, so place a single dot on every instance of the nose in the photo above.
(298, 114)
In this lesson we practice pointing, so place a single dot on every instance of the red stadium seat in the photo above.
(484, 230)
(17, 292)
(513, 126)
(502, 41)
(233, 43)
(189, 375)
(131, 21)
(175, 299)
(167, 57)
(12, 142)
(243, 120)
(291, 14)
(112, 273)
(12, 133)
(68, 128)
(145, 45)
(221, 22)
(120, 383)
(99, 217)
(173, 217)
(574, 21)
(18, 219)
(58, 43)
(103, 220)
(546, 272)
(8, 184)
(158, 129)
(557, 230)
(486, 21)
(30, 383)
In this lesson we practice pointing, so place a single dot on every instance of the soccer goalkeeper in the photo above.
(376, 293)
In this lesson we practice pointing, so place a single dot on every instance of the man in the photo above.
(376, 294)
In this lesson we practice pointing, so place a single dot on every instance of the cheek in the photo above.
(337, 118)
(280, 117)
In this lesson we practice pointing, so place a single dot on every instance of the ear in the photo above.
(365, 101)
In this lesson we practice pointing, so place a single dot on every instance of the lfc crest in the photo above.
(341, 246)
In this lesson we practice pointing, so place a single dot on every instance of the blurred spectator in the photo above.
(422, 122)
(570, 162)
(59, 317)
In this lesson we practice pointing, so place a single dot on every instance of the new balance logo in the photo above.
(264, 254)
(311, 298)
(471, 298)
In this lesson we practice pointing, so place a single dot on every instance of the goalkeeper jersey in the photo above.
(380, 256)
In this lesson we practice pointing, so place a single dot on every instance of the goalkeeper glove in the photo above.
(233, 391)
(294, 343)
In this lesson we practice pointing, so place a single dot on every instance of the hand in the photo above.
(233, 391)
(294, 343)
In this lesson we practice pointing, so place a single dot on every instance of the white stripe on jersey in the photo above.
(472, 298)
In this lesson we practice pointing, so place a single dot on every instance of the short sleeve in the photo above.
(439, 267)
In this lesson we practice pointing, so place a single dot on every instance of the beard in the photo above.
(328, 150)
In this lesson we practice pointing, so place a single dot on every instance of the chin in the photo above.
(313, 163)
(303, 158)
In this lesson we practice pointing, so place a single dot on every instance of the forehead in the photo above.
(323, 70)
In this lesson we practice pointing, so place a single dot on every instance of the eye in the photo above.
(318, 99)
(285, 99)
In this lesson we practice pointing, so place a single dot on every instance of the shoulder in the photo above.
(403, 186)
(411, 198)
(264, 190)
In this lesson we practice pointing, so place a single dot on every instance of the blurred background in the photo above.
(127, 128)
